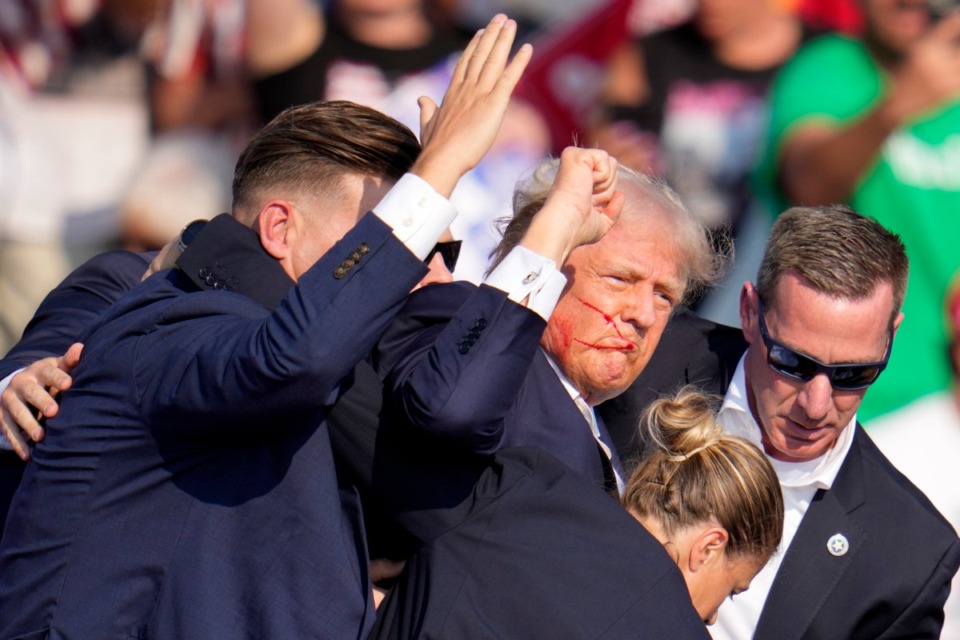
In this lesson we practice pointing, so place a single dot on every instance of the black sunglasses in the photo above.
(449, 251)
(799, 366)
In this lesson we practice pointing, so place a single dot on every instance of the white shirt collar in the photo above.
(735, 417)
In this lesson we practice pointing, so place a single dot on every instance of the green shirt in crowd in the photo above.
(913, 189)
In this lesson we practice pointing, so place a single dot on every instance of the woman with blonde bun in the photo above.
(521, 546)
(711, 498)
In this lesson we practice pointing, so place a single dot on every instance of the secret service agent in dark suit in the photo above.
(871, 557)
(172, 498)
(192, 438)
(524, 547)
(863, 503)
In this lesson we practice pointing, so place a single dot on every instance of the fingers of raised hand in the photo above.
(514, 71)
(614, 207)
(605, 173)
(428, 109)
(488, 49)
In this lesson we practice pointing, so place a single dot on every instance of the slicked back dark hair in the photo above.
(308, 148)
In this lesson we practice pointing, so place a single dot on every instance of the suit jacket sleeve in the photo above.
(73, 305)
(227, 361)
(458, 375)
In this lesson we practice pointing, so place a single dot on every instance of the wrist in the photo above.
(552, 235)
(440, 173)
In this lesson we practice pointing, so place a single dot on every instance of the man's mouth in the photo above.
(616, 344)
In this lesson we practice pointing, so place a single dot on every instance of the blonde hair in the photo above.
(692, 472)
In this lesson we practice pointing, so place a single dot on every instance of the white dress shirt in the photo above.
(738, 617)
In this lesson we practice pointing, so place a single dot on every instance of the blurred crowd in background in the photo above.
(120, 121)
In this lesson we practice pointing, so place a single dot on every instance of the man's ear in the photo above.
(708, 548)
(749, 308)
(897, 321)
(274, 224)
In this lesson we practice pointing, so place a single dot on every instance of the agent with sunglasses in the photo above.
(864, 553)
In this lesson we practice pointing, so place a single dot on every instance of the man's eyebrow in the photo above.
(673, 287)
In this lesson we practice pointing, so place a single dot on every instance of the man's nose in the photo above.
(816, 397)
(638, 308)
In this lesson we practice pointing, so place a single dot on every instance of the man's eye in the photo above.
(666, 298)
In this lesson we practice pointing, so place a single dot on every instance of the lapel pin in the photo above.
(838, 545)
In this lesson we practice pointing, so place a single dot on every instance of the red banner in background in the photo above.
(565, 76)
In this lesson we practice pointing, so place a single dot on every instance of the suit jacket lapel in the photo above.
(557, 425)
(809, 571)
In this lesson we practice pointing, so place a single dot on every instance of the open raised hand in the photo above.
(458, 133)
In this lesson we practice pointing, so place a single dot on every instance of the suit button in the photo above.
(211, 280)
(339, 272)
(364, 249)
(356, 256)
(348, 263)
(480, 324)
(464, 348)
(473, 335)
(219, 284)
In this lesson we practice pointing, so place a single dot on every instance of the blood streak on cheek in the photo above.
(563, 329)
(609, 320)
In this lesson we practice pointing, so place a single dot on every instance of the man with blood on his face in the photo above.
(482, 370)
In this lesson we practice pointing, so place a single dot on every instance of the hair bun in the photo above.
(682, 426)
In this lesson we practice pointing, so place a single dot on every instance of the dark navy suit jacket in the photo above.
(527, 548)
(187, 488)
(59, 321)
(893, 580)
(463, 365)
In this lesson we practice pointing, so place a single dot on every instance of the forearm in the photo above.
(230, 362)
(822, 163)
(458, 379)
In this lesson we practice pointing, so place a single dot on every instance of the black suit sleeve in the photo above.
(73, 305)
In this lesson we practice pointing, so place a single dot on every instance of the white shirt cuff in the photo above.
(525, 274)
(417, 214)
(4, 443)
